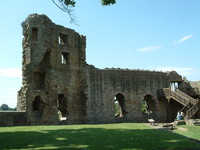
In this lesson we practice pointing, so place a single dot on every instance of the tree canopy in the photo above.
(5, 107)
(73, 2)
(67, 5)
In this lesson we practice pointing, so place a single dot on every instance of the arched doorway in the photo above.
(148, 104)
(120, 103)
(172, 108)
(62, 105)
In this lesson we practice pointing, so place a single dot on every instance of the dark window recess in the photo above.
(63, 39)
(61, 104)
(35, 34)
(65, 58)
(39, 80)
(37, 104)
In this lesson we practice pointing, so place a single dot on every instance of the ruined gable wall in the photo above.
(190, 88)
(133, 84)
(196, 85)
(53, 63)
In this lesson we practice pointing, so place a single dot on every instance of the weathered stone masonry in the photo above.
(53, 72)
(134, 85)
(59, 87)
(12, 118)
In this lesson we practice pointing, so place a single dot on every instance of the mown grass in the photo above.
(189, 131)
(124, 136)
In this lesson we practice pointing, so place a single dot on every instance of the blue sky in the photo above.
(135, 34)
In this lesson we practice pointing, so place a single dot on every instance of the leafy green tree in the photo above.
(144, 106)
(67, 5)
(4, 107)
(73, 2)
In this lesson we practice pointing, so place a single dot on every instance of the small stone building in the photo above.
(59, 87)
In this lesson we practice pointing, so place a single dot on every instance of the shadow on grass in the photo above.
(96, 139)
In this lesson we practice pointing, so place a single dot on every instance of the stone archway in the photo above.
(62, 105)
(120, 101)
(148, 104)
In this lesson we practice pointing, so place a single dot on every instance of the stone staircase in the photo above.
(191, 105)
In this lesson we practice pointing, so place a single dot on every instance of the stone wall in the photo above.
(59, 87)
(190, 88)
(13, 118)
(53, 74)
(134, 85)
(196, 85)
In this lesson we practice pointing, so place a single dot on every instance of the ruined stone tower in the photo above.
(59, 87)
(53, 72)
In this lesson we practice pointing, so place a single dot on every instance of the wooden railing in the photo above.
(191, 106)
(167, 92)
(193, 110)
(190, 91)
(178, 97)
(185, 108)
(192, 100)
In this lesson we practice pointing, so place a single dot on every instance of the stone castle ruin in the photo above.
(59, 87)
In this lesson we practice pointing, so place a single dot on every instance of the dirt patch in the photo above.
(182, 129)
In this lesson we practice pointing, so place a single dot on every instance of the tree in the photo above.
(67, 5)
(4, 107)
(73, 2)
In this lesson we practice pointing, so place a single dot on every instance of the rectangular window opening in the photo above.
(65, 58)
(35, 34)
(63, 39)
(39, 80)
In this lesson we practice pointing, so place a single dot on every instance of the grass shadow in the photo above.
(95, 138)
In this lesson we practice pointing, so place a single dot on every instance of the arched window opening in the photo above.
(120, 110)
(148, 105)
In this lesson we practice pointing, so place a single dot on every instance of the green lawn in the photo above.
(189, 131)
(124, 136)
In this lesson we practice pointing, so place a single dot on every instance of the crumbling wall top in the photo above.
(35, 17)
(174, 76)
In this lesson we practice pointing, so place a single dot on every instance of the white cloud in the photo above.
(12, 72)
(183, 39)
(149, 48)
(184, 71)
